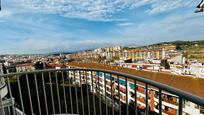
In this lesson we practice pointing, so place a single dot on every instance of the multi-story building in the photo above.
(108, 85)
(141, 54)
(24, 67)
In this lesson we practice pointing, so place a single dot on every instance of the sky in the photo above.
(46, 26)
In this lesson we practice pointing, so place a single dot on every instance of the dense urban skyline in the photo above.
(43, 26)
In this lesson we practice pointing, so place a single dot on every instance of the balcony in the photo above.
(77, 91)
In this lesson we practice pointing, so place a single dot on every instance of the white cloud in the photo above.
(125, 24)
(99, 10)
(171, 28)
(5, 13)
(159, 6)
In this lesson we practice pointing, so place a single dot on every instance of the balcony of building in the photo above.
(84, 91)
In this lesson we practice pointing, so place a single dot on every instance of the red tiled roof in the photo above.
(23, 65)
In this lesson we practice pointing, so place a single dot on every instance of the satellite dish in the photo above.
(200, 7)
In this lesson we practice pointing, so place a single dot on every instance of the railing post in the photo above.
(76, 92)
(127, 99)
(135, 97)
(44, 92)
(160, 102)
(20, 94)
(99, 90)
(82, 99)
(146, 100)
(105, 93)
(119, 94)
(94, 105)
(112, 93)
(70, 93)
(64, 91)
(29, 95)
(87, 92)
(51, 91)
(37, 93)
(11, 96)
(180, 105)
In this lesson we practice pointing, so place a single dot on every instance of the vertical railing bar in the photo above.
(94, 106)
(180, 105)
(105, 94)
(10, 93)
(1, 105)
(51, 91)
(45, 96)
(9, 111)
(127, 104)
(146, 100)
(82, 99)
(58, 96)
(160, 102)
(119, 94)
(36, 87)
(112, 100)
(136, 111)
(65, 100)
(29, 95)
(20, 94)
(84, 72)
(76, 93)
(70, 93)
(100, 111)
(87, 91)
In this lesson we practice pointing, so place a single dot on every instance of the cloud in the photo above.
(5, 13)
(171, 28)
(28, 28)
(159, 6)
(125, 24)
(98, 10)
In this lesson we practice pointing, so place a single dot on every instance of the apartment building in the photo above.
(169, 101)
(141, 54)
(108, 85)
(24, 67)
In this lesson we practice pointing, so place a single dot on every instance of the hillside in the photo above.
(190, 49)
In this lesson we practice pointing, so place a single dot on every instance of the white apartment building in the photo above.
(104, 83)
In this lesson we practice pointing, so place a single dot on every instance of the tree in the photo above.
(39, 65)
(165, 64)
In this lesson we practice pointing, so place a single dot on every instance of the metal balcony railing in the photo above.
(88, 91)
